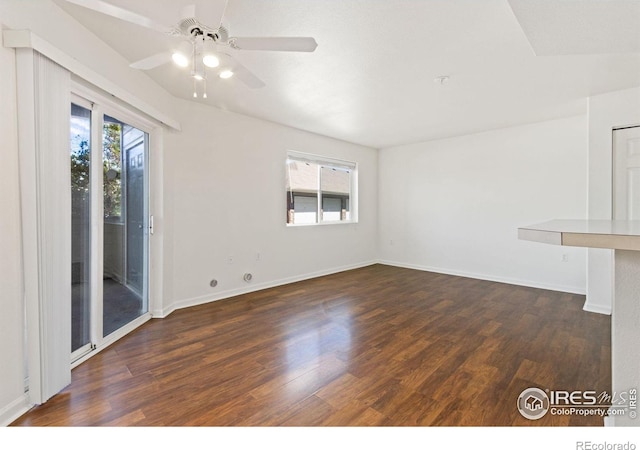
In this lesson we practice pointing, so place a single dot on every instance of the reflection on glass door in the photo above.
(125, 224)
(80, 227)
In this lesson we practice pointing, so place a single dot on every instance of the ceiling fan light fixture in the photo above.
(209, 57)
(210, 60)
(198, 47)
(180, 59)
(181, 54)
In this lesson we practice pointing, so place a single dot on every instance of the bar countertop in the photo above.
(613, 234)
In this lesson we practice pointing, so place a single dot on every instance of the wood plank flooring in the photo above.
(377, 346)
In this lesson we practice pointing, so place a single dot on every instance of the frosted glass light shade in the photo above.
(209, 57)
(180, 56)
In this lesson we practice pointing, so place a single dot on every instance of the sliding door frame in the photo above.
(77, 100)
(100, 105)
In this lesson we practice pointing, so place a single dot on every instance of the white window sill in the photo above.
(342, 222)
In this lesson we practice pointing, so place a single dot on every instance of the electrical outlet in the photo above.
(258, 256)
(565, 257)
(230, 260)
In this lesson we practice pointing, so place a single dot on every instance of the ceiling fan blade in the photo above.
(121, 13)
(152, 61)
(283, 44)
(248, 78)
(242, 73)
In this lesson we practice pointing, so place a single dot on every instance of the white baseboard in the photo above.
(589, 307)
(185, 303)
(14, 410)
(485, 277)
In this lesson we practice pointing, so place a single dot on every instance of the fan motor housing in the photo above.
(192, 28)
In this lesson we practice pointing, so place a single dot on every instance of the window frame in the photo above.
(323, 162)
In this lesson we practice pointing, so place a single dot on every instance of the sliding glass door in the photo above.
(109, 183)
(125, 224)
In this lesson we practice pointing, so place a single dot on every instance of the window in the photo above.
(319, 190)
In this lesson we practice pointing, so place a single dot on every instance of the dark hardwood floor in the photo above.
(378, 346)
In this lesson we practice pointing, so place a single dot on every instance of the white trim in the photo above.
(80, 101)
(14, 410)
(336, 222)
(478, 276)
(194, 301)
(599, 309)
(186, 303)
(320, 160)
(96, 254)
(80, 352)
(155, 255)
(111, 107)
(27, 39)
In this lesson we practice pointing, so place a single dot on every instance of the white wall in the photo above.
(11, 319)
(454, 205)
(225, 196)
(606, 112)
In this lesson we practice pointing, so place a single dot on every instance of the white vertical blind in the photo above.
(43, 118)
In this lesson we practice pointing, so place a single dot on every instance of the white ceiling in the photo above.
(371, 79)
(580, 27)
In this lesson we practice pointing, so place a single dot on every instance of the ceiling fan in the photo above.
(202, 45)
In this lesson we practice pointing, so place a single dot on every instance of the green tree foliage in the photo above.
(80, 168)
(111, 170)
(80, 179)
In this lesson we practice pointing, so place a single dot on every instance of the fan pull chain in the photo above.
(193, 70)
